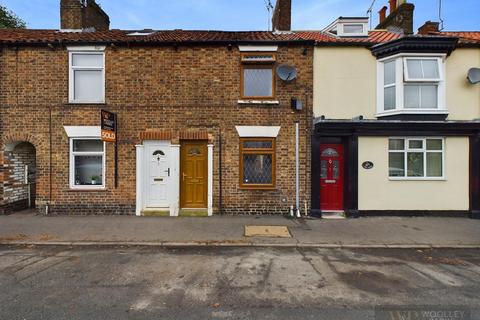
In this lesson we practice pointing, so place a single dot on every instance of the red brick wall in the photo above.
(153, 88)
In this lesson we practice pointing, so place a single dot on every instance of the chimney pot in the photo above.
(383, 14)
(282, 16)
(393, 5)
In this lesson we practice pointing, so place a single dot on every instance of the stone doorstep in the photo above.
(193, 213)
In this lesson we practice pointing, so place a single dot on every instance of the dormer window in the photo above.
(411, 84)
(348, 27)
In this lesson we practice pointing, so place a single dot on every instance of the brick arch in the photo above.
(20, 137)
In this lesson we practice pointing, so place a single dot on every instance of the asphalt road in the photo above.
(231, 283)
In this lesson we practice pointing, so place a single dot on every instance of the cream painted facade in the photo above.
(377, 192)
(463, 98)
(345, 83)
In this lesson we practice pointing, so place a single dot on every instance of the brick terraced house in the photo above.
(345, 120)
(204, 125)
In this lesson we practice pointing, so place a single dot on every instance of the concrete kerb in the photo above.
(227, 244)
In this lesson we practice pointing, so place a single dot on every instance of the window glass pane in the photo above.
(414, 67)
(257, 83)
(389, 98)
(87, 145)
(412, 96)
(353, 28)
(87, 60)
(429, 96)
(430, 69)
(88, 85)
(389, 73)
(396, 144)
(415, 164)
(323, 169)
(396, 164)
(434, 144)
(434, 164)
(257, 169)
(336, 169)
(329, 152)
(415, 144)
(88, 170)
(252, 144)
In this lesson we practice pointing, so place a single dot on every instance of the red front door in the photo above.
(331, 176)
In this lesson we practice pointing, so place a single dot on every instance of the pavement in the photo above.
(372, 232)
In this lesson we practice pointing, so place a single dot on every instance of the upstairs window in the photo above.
(411, 85)
(87, 77)
(258, 76)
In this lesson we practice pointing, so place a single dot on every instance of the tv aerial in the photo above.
(287, 73)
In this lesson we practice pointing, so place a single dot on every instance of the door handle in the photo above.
(183, 176)
(168, 172)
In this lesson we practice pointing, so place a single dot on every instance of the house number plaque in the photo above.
(367, 165)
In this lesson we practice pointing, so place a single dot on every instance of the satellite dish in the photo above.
(474, 75)
(286, 72)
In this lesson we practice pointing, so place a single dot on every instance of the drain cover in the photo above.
(267, 231)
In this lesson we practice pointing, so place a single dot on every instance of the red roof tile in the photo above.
(52, 36)
(465, 37)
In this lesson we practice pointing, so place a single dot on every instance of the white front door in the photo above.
(158, 172)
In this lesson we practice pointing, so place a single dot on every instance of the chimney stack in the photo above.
(83, 15)
(383, 14)
(393, 5)
(429, 27)
(282, 16)
(400, 19)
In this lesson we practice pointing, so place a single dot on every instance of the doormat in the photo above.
(267, 231)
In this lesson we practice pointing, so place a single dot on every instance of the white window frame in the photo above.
(353, 34)
(72, 155)
(423, 150)
(95, 50)
(401, 79)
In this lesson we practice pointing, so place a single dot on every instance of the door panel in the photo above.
(193, 178)
(331, 176)
(158, 175)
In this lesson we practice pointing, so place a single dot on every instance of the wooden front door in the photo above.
(193, 174)
(331, 176)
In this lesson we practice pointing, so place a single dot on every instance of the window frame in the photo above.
(72, 155)
(71, 74)
(255, 151)
(401, 81)
(267, 64)
(422, 150)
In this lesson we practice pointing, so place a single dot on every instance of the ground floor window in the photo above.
(257, 163)
(414, 158)
(87, 163)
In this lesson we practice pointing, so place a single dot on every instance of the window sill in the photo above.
(256, 101)
(86, 189)
(410, 111)
(72, 103)
(417, 179)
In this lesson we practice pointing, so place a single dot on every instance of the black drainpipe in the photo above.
(220, 205)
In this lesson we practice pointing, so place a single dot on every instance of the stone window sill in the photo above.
(261, 102)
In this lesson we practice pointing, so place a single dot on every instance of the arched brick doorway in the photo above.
(19, 177)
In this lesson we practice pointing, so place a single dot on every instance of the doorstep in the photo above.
(193, 213)
(333, 215)
(156, 213)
